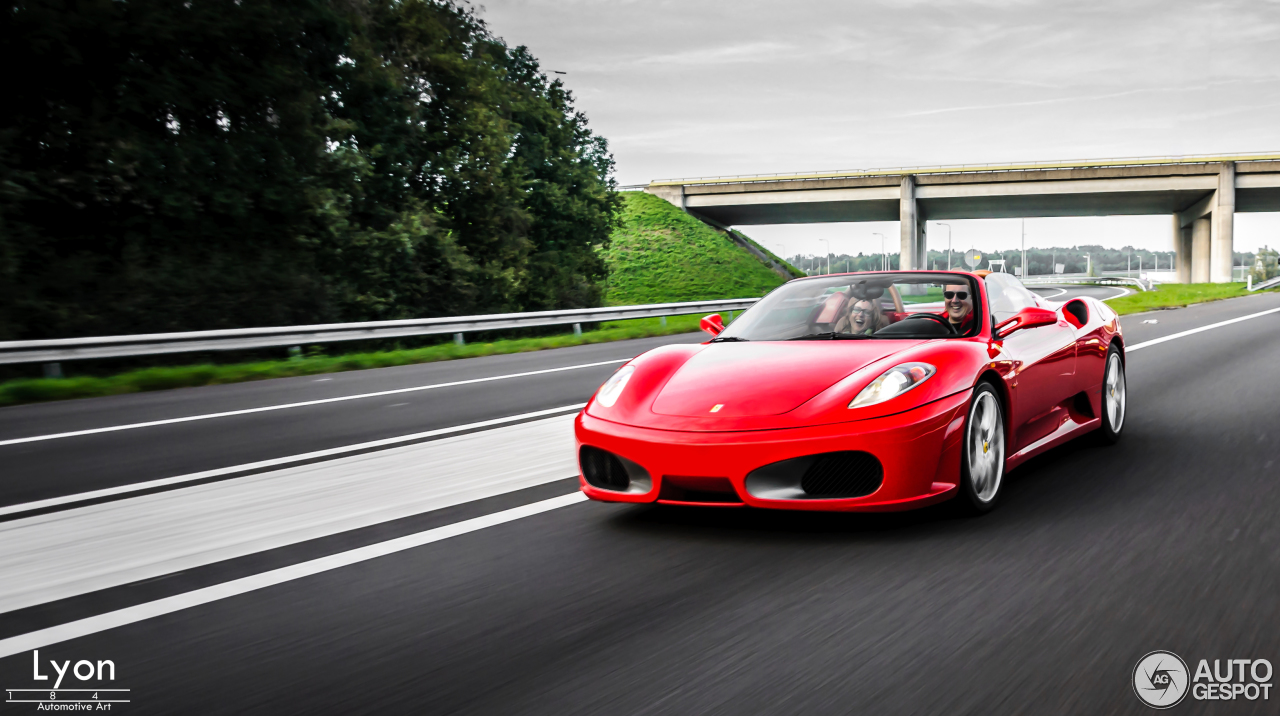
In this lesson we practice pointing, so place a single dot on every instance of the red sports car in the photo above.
(863, 391)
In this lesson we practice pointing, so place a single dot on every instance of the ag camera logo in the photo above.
(1160, 679)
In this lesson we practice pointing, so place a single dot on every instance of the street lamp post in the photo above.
(884, 258)
(948, 243)
(1025, 272)
(828, 243)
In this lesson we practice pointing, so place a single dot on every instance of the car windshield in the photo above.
(863, 306)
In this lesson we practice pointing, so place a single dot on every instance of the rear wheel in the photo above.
(1113, 397)
(982, 459)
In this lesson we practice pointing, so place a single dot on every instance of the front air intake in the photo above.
(824, 476)
(842, 474)
(603, 469)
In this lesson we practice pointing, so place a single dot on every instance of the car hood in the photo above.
(742, 380)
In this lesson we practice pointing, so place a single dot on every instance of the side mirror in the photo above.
(712, 324)
(1026, 318)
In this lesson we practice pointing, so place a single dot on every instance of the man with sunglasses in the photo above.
(958, 299)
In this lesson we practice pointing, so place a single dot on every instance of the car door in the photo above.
(1044, 360)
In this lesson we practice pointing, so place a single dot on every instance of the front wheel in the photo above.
(1113, 397)
(982, 459)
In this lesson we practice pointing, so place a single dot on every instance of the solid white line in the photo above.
(1059, 293)
(1211, 326)
(1123, 292)
(130, 615)
(303, 404)
(274, 462)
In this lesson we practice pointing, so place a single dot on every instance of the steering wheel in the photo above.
(933, 317)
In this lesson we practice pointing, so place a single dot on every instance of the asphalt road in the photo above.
(1097, 556)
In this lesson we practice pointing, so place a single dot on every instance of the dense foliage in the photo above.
(216, 163)
(660, 254)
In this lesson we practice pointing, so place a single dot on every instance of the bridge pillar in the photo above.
(1223, 241)
(1182, 249)
(1200, 233)
(911, 225)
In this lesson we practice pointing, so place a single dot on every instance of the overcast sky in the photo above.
(701, 88)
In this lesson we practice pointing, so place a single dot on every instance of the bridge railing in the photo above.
(67, 349)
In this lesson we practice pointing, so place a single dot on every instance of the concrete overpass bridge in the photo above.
(1201, 194)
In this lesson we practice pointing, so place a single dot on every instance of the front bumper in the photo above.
(918, 449)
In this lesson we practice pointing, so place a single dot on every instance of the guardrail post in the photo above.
(53, 370)
(459, 340)
(662, 320)
(577, 330)
(295, 352)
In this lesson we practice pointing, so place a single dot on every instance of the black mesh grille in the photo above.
(843, 474)
(603, 469)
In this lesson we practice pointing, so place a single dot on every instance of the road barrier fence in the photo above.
(66, 349)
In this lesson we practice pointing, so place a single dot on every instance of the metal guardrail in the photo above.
(65, 349)
(1091, 280)
(1269, 283)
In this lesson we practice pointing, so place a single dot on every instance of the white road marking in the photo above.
(1211, 326)
(303, 404)
(44, 558)
(274, 462)
(1123, 292)
(1060, 291)
(141, 612)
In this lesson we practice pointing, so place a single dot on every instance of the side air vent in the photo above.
(842, 474)
(606, 471)
(826, 476)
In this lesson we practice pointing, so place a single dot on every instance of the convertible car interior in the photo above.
(888, 306)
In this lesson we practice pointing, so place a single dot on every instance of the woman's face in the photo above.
(862, 315)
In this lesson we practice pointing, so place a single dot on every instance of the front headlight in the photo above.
(892, 383)
(612, 388)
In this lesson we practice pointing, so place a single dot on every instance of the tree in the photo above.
(211, 164)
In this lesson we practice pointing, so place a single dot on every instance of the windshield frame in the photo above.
(742, 328)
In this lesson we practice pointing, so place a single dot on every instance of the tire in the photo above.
(1114, 399)
(982, 454)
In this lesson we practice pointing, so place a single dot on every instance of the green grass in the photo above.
(661, 254)
(1176, 295)
(43, 389)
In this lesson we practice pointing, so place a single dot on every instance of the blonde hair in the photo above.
(877, 312)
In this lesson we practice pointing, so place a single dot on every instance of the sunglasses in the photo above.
(962, 295)
(861, 310)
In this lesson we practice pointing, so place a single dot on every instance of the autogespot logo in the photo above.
(1160, 679)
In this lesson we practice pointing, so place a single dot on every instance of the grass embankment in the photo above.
(1176, 295)
(660, 254)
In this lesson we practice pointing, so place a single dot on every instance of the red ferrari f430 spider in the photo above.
(858, 392)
